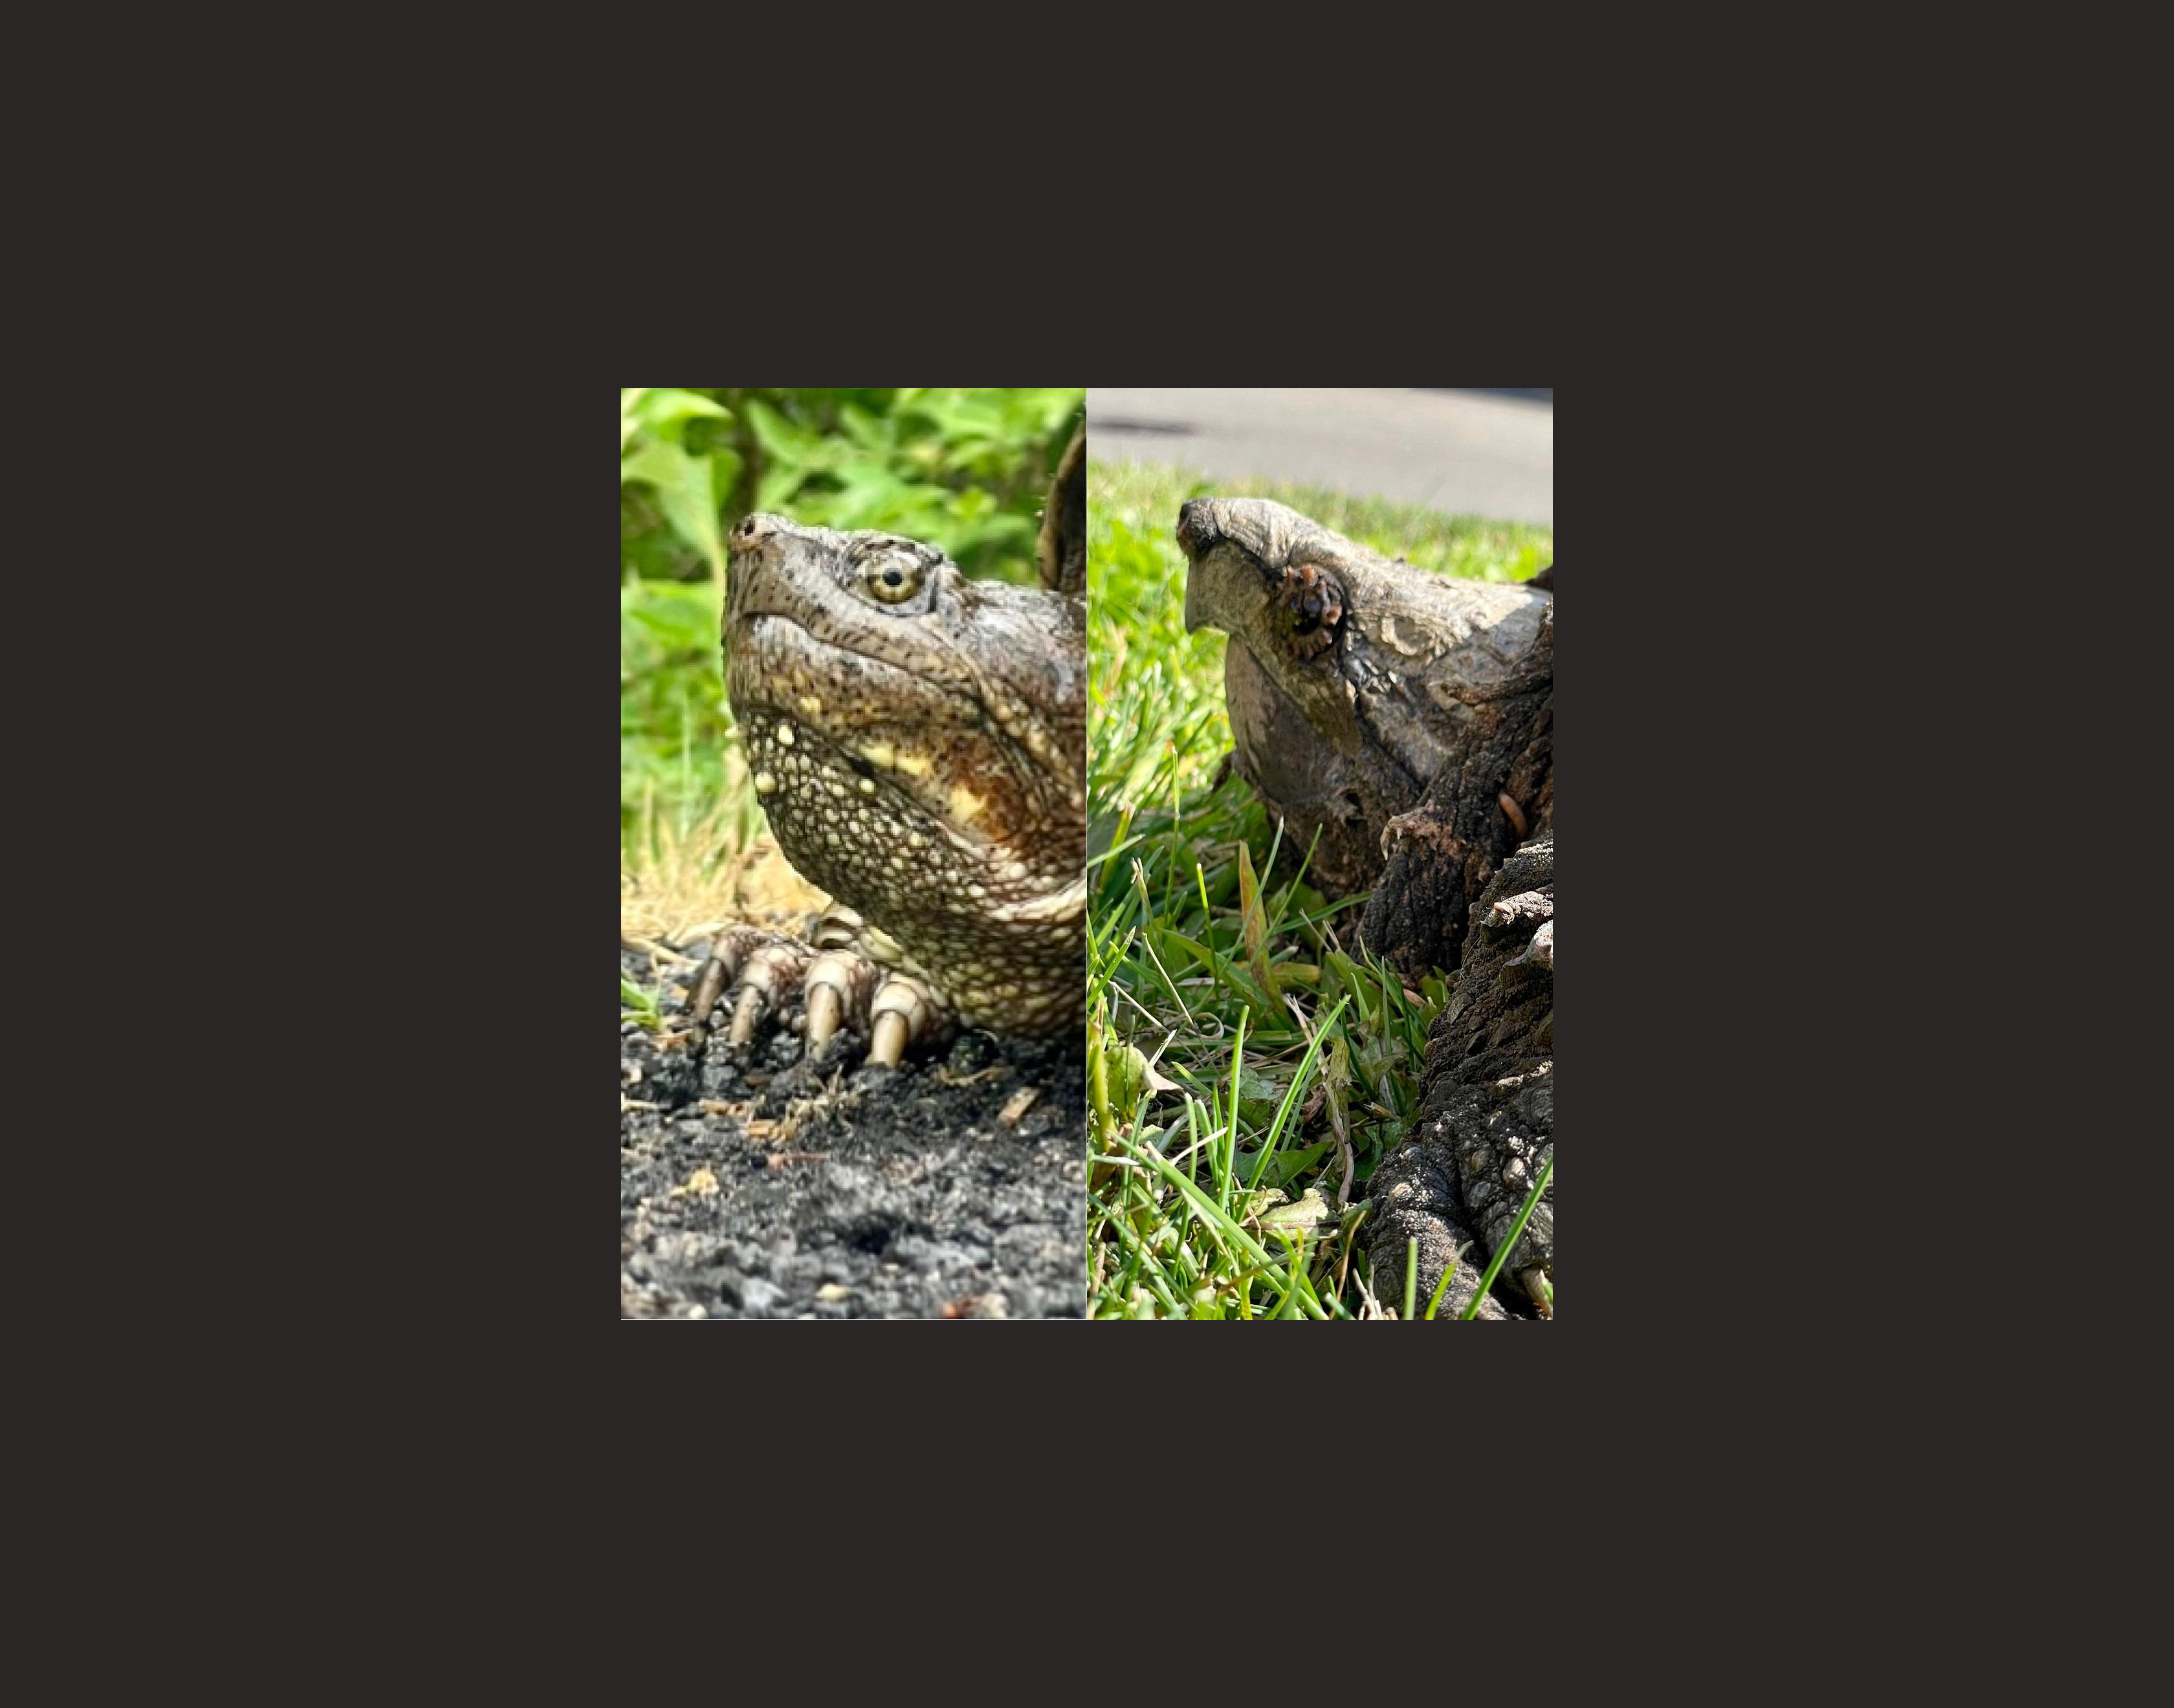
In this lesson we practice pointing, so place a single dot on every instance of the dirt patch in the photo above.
(954, 1187)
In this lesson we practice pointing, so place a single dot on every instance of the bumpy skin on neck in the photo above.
(919, 743)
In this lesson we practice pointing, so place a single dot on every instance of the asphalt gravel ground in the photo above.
(771, 1187)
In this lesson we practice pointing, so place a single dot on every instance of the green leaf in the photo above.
(666, 409)
(636, 1003)
(685, 489)
(783, 441)
(1310, 1213)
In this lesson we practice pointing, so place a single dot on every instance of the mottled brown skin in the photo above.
(918, 741)
(1383, 709)
(1406, 722)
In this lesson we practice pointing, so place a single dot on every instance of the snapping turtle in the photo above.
(918, 741)
(1406, 721)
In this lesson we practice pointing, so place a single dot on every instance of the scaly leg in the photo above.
(846, 990)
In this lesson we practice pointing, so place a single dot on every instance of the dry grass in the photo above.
(675, 884)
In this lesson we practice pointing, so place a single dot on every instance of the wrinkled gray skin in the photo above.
(918, 741)
(1486, 1126)
(1387, 712)
(1341, 725)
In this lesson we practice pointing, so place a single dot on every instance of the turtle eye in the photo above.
(894, 577)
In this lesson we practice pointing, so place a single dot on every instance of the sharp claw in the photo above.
(904, 1011)
(1532, 1277)
(891, 1032)
(1537, 955)
(709, 985)
(766, 967)
(1542, 948)
(837, 984)
(825, 1009)
(745, 1013)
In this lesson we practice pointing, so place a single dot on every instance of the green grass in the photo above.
(1214, 968)
(675, 727)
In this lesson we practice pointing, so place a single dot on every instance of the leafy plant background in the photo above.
(964, 467)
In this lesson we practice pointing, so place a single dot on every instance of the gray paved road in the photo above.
(1477, 452)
